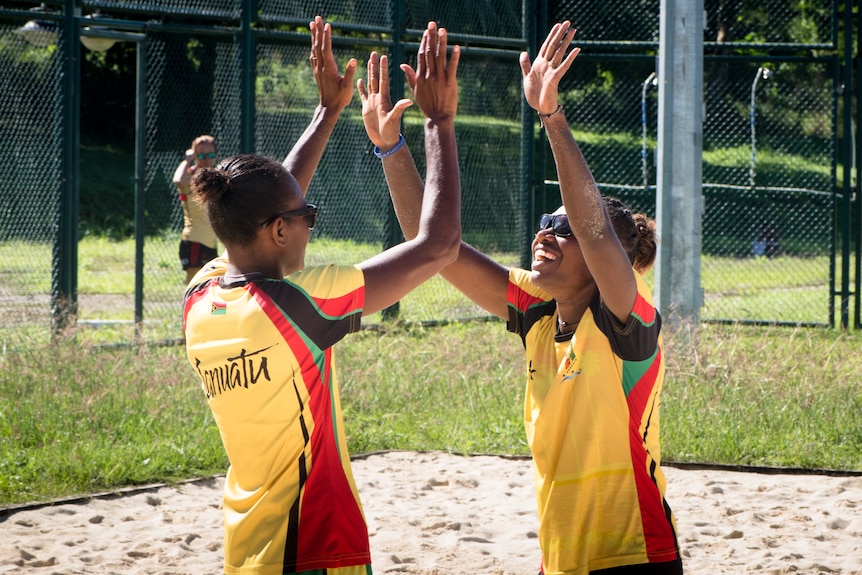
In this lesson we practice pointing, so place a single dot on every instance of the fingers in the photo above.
(350, 71)
(384, 74)
(327, 38)
(421, 64)
(524, 61)
(567, 63)
(543, 51)
(432, 56)
(410, 75)
(374, 73)
(564, 44)
(431, 53)
(377, 69)
(402, 105)
(557, 42)
(378, 79)
(452, 67)
(317, 28)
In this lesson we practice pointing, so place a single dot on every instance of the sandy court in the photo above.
(437, 513)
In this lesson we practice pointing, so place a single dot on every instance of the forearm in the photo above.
(580, 194)
(442, 199)
(304, 157)
(406, 188)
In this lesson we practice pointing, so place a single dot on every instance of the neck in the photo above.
(566, 326)
(244, 263)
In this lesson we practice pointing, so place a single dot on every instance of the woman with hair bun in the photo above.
(593, 345)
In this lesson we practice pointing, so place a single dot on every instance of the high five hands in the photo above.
(433, 84)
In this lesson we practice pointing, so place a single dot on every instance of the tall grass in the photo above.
(77, 419)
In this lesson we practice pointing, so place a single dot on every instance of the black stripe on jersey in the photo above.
(632, 341)
(668, 514)
(324, 332)
(522, 322)
(291, 543)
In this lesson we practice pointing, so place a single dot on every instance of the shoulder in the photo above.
(330, 279)
(521, 282)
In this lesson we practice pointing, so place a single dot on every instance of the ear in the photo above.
(277, 232)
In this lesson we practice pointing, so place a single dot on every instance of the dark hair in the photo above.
(636, 232)
(240, 193)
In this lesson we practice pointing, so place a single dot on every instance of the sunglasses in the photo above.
(210, 155)
(309, 212)
(558, 223)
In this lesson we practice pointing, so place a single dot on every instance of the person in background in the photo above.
(260, 327)
(592, 337)
(198, 240)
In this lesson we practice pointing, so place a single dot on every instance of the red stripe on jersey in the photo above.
(521, 299)
(658, 532)
(644, 310)
(331, 532)
(334, 307)
(198, 294)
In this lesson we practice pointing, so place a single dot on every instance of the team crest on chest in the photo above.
(570, 362)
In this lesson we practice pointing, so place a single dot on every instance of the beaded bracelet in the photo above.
(392, 150)
(546, 116)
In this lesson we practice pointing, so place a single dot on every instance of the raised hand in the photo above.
(335, 90)
(382, 120)
(434, 83)
(542, 78)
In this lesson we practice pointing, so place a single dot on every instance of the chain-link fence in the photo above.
(769, 167)
(770, 144)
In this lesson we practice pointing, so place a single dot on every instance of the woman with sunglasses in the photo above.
(197, 240)
(592, 338)
(260, 327)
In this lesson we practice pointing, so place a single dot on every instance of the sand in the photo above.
(438, 513)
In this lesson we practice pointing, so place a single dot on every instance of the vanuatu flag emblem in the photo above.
(218, 308)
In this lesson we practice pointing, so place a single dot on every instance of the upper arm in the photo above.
(612, 271)
(392, 274)
(481, 279)
(181, 174)
(305, 155)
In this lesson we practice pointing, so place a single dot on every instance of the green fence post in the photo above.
(858, 223)
(140, 163)
(847, 161)
(64, 284)
(248, 72)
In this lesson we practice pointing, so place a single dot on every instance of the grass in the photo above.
(78, 419)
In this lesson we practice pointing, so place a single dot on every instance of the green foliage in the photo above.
(283, 79)
(108, 94)
(107, 193)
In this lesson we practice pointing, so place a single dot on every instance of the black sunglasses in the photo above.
(204, 156)
(309, 212)
(558, 223)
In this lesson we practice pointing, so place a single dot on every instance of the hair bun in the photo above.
(211, 184)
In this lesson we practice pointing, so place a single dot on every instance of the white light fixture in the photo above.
(93, 43)
(40, 33)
